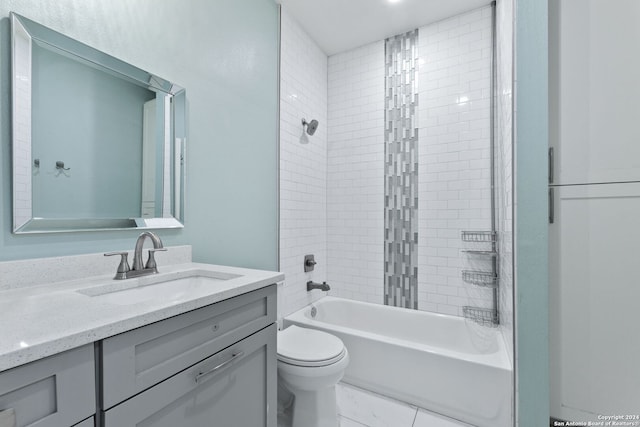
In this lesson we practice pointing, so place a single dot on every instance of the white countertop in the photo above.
(40, 321)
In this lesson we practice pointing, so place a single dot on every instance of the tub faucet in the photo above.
(139, 269)
(311, 285)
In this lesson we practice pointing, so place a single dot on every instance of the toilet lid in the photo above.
(308, 347)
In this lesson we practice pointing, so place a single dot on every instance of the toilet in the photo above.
(310, 364)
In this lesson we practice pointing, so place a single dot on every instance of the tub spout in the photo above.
(322, 286)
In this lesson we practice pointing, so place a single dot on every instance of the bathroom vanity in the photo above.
(214, 363)
(192, 344)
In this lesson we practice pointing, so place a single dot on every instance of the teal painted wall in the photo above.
(225, 53)
(531, 204)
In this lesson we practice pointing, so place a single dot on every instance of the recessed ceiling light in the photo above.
(394, 1)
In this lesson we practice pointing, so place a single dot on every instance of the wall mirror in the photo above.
(98, 144)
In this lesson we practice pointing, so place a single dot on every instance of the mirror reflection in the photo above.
(98, 143)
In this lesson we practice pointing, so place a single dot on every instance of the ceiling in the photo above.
(340, 25)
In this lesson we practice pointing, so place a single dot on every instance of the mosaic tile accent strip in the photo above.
(401, 171)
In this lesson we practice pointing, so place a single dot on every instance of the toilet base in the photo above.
(315, 408)
(311, 383)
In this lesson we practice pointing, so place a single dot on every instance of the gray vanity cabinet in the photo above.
(212, 366)
(233, 388)
(58, 391)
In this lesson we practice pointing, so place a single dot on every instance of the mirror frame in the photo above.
(24, 34)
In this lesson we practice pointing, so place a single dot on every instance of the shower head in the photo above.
(311, 126)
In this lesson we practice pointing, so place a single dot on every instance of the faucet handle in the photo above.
(123, 267)
(151, 261)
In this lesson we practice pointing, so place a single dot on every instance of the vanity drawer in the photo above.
(138, 359)
(233, 388)
(58, 391)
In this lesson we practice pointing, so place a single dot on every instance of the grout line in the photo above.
(415, 417)
(352, 420)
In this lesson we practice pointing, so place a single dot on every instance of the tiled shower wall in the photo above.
(355, 179)
(303, 164)
(454, 188)
(401, 171)
(454, 185)
(504, 184)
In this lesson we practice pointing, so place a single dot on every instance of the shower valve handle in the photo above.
(309, 263)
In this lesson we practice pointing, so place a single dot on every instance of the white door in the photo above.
(595, 301)
(594, 88)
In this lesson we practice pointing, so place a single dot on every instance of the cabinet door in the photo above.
(233, 388)
(594, 90)
(594, 297)
(57, 391)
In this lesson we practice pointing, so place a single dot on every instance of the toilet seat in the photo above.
(308, 347)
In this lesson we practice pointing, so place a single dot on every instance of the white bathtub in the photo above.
(438, 362)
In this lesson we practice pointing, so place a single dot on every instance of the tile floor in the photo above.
(362, 408)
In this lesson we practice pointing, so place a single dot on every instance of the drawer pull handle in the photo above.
(203, 376)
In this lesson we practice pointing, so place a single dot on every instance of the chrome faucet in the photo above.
(311, 285)
(137, 254)
(139, 269)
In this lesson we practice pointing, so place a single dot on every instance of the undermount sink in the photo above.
(170, 288)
